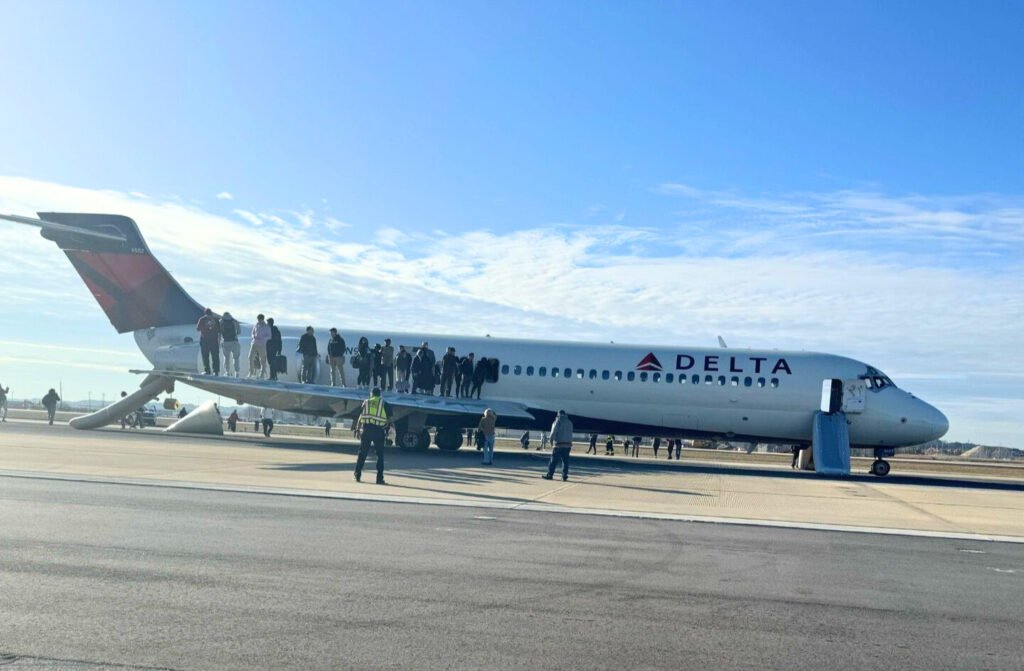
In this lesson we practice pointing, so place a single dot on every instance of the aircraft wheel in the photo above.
(414, 442)
(880, 468)
(448, 440)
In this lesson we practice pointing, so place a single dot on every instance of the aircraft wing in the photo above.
(323, 400)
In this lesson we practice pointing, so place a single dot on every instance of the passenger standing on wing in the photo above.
(3, 402)
(310, 355)
(449, 363)
(561, 437)
(336, 358)
(466, 369)
(429, 380)
(593, 444)
(479, 375)
(422, 370)
(50, 402)
(637, 441)
(209, 340)
(374, 416)
(275, 346)
(363, 363)
(486, 428)
(403, 362)
(378, 364)
(387, 361)
(229, 330)
(258, 349)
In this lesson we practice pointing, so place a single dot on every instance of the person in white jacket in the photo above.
(258, 365)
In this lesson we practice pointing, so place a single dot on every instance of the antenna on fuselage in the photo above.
(721, 343)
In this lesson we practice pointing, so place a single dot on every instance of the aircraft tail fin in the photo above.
(113, 260)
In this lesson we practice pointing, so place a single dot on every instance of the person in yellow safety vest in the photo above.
(374, 416)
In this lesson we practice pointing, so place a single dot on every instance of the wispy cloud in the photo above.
(894, 280)
(224, 195)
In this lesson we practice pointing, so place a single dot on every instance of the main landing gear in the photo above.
(410, 437)
(880, 466)
(448, 439)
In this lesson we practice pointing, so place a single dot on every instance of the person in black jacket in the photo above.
(479, 375)
(336, 358)
(274, 348)
(449, 362)
(403, 363)
(466, 368)
(50, 402)
(310, 355)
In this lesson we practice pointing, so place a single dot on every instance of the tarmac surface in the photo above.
(100, 575)
(128, 549)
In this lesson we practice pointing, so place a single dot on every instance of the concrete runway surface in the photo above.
(100, 575)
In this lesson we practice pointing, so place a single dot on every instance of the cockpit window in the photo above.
(876, 379)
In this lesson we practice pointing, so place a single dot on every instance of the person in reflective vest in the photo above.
(374, 416)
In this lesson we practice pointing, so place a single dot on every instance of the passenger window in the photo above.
(775, 382)
(630, 376)
(593, 374)
(708, 379)
(529, 370)
(504, 369)
(682, 379)
(618, 376)
(568, 373)
(554, 372)
(695, 379)
(747, 381)
(605, 375)
(721, 380)
(643, 377)
(579, 373)
(518, 370)
(655, 377)
(760, 382)
(543, 372)
(735, 381)
(669, 377)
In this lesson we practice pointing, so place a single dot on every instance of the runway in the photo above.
(180, 579)
(959, 507)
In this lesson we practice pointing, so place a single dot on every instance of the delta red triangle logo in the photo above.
(649, 362)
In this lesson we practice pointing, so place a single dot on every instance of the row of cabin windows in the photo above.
(643, 376)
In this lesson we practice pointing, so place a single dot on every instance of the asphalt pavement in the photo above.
(100, 575)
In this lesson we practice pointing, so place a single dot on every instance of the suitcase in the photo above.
(279, 364)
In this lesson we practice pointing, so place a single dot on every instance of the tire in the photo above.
(414, 442)
(880, 468)
(448, 440)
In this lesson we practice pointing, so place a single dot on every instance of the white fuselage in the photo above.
(742, 394)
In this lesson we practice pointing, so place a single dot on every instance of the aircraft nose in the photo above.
(931, 421)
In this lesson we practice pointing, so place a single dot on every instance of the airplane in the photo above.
(748, 395)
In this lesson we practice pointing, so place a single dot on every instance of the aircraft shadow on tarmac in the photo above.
(443, 467)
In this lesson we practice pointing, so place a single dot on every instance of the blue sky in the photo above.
(810, 175)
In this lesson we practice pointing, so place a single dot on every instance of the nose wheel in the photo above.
(880, 467)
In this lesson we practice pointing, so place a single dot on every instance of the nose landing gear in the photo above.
(880, 466)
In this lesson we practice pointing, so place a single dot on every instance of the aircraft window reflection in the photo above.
(579, 373)
(618, 376)
(643, 376)
(747, 381)
(554, 372)
(543, 371)
(656, 377)
(605, 375)
(721, 380)
(775, 382)
(760, 382)
(504, 369)
(668, 377)
(593, 374)
(518, 370)
(734, 381)
(529, 370)
(630, 376)
(709, 379)
(682, 379)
